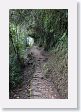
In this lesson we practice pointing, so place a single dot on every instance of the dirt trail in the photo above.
(40, 87)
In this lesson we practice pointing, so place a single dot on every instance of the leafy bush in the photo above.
(15, 72)
(16, 57)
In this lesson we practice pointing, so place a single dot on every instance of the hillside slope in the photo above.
(56, 67)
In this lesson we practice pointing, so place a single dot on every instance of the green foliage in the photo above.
(15, 75)
(48, 27)
(17, 47)
(14, 64)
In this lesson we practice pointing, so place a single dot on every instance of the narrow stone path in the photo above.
(40, 87)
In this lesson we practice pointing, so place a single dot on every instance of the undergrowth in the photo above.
(57, 66)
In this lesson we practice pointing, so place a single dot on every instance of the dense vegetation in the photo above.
(49, 28)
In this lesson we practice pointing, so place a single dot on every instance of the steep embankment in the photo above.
(56, 67)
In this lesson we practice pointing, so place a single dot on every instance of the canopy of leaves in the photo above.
(46, 26)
